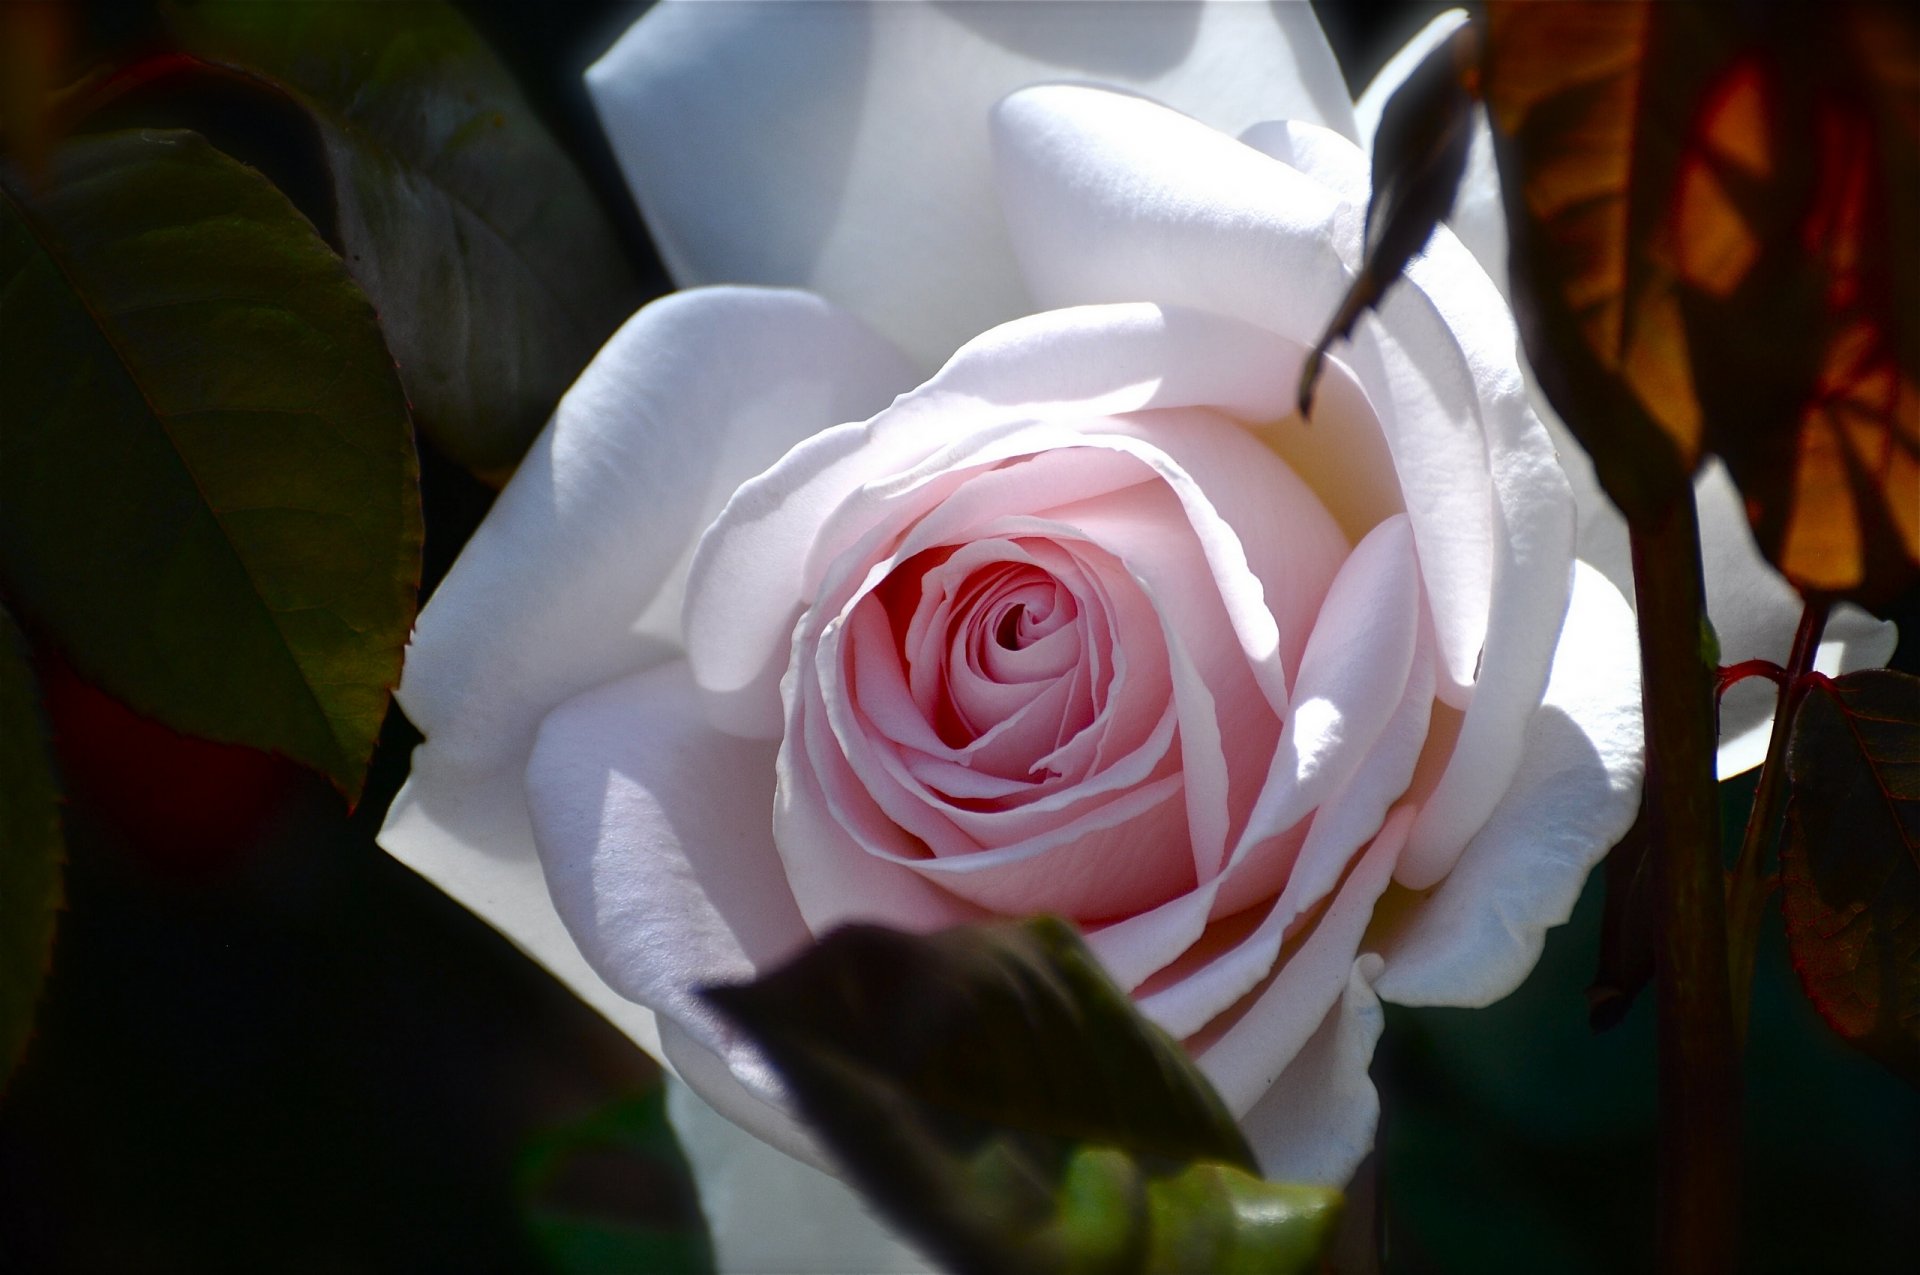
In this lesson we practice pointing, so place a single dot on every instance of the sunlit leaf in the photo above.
(494, 271)
(30, 848)
(1419, 154)
(1851, 860)
(1001, 1101)
(1712, 211)
(208, 492)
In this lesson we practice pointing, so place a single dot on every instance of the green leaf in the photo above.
(1419, 155)
(1850, 864)
(30, 848)
(656, 1228)
(495, 273)
(1002, 1101)
(208, 491)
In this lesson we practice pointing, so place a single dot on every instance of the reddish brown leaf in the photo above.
(1713, 212)
(1851, 861)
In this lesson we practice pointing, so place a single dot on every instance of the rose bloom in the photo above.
(994, 573)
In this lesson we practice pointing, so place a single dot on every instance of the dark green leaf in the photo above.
(30, 848)
(495, 273)
(1002, 1102)
(612, 1192)
(1419, 154)
(208, 491)
(1850, 864)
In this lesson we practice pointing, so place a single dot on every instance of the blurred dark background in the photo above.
(268, 1047)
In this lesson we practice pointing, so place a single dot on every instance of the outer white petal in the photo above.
(768, 1212)
(656, 833)
(1477, 936)
(844, 146)
(574, 577)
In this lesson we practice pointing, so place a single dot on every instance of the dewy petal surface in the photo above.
(843, 146)
(573, 579)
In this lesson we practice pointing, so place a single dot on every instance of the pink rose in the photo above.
(1289, 716)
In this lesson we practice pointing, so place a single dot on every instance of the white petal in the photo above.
(769, 1212)
(562, 586)
(1317, 1122)
(656, 834)
(1245, 1057)
(473, 841)
(1477, 936)
(1112, 198)
(844, 147)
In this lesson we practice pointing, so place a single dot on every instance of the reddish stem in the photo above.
(1749, 884)
(1732, 674)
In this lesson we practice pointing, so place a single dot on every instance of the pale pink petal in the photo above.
(562, 587)
(844, 147)
(1476, 937)
(1245, 1056)
(1316, 1123)
(656, 834)
(1352, 678)
(825, 822)
(1230, 964)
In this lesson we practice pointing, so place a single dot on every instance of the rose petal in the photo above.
(1110, 197)
(1316, 1123)
(656, 834)
(1352, 678)
(1113, 198)
(550, 598)
(842, 147)
(1573, 797)
(1245, 1056)
(761, 561)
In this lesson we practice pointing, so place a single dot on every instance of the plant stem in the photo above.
(1747, 888)
(1699, 1067)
